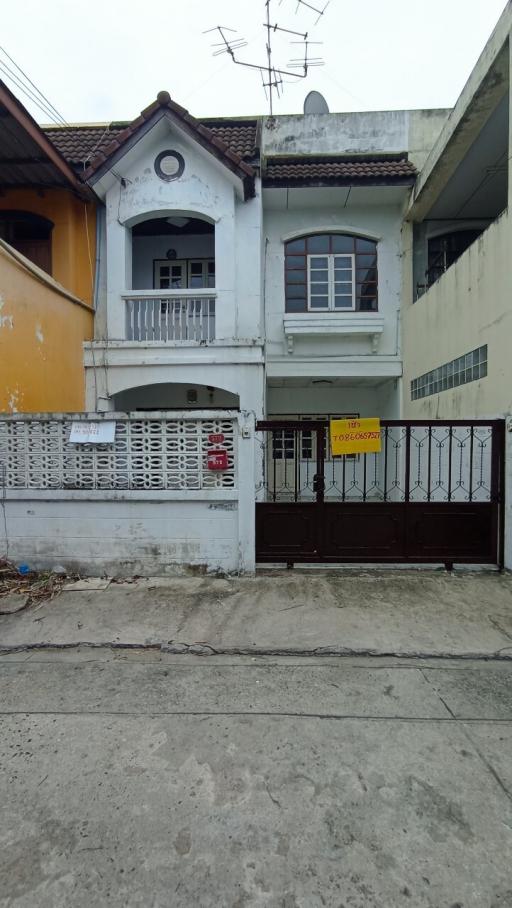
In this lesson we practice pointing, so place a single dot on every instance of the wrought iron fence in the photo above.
(418, 462)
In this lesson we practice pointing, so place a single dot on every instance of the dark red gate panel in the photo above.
(433, 494)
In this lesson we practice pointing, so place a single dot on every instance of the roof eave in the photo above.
(180, 117)
(277, 183)
(27, 122)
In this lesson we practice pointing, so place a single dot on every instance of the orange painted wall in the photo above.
(73, 234)
(41, 336)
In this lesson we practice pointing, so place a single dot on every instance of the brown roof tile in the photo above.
(164, 105)
(337, 170)
(79, 144)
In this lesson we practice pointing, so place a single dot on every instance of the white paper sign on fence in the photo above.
(100, 433)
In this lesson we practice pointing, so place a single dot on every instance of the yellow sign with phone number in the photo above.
(354, 436)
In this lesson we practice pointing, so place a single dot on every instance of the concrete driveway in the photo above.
(430, 613)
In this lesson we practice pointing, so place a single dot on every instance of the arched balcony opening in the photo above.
(175, 396)
(175, 252)
(30, 234)
(173, 280)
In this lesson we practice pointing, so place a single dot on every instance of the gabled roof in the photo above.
(79, 144)
(340, 170)
(27, 156)
(165, 106)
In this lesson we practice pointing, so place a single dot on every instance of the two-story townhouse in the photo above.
(334, 191)
(250, 263)
(179, 313)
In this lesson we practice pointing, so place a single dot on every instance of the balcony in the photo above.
(323, 324)
(172, 316)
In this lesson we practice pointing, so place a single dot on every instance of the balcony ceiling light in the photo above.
(178, 222)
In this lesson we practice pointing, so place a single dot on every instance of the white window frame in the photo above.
(186, 266)
(331, 256)
(169, 263)
(204, 273)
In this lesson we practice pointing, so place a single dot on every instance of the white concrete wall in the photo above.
(470, 305)
(126, 532)
(238, 370)
(508, 495)
(122, 535)
(381, 401)
(382, 223)
(367, 132)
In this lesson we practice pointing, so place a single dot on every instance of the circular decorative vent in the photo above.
(169, 165)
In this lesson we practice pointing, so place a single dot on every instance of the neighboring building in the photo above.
(457, 315)
(47, 263)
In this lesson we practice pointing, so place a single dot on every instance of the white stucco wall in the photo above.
(206, 189)
(238, 370)
(470, 305)
(381, 400)
(123, 532)
(123, 536)
(382, 223)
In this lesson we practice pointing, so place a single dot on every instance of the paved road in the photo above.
(160, 781)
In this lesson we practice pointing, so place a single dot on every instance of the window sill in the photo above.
(303, 324)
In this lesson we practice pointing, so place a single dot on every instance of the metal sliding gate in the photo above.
(433, 494)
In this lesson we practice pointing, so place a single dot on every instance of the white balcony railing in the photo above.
(173, 316)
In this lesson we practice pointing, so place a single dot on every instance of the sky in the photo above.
(106, 60)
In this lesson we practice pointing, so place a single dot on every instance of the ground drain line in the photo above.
(204, 649)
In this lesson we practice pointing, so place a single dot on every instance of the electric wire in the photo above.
(29, 94)
(29, 80)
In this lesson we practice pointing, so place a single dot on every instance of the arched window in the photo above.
(30, 234)
(331, 272)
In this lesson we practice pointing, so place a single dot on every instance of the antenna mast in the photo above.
(271, 75)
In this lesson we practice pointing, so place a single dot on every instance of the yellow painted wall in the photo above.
(41, 336)
(73, 234)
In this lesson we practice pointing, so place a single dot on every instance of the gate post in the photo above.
(507, 495)
(246, 494)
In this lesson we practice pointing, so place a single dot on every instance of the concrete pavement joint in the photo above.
(504, 654)
(256, 714)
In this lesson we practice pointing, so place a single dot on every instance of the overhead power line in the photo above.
(24, 83)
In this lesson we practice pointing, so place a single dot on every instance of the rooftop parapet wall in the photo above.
(367, 132)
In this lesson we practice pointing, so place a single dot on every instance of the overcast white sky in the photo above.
(106, 59)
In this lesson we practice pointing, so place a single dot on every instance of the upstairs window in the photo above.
(30, 234)
(331, 272)
(184, 274)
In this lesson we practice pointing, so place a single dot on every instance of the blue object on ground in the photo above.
(23, 569)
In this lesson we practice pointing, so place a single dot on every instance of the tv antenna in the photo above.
(272, 75)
